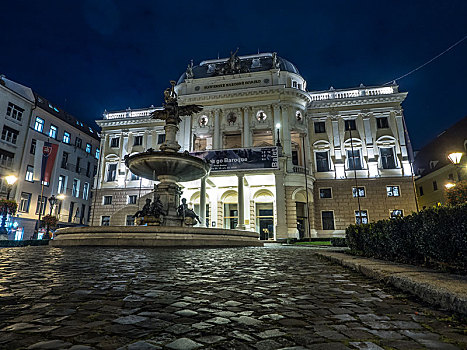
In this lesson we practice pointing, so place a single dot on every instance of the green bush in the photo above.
(338, 242)
(435, 236)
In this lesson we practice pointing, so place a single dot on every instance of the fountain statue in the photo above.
(168, 166)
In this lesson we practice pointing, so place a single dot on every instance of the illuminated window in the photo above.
(66, 137)
(359, 193)
(361, 218)
(396, 213)
(39, 124)
(105, 221)
(53, 131)
(111, 172)
(97, 153)
(354, 161)
(393, 191)
(24, 202)
(88, 148)
(29, 173)
(387, 158)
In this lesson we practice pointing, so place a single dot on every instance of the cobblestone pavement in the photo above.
(241, 298)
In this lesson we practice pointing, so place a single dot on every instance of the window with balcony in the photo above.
(362, 217)
(327, 219)
(39, 124)
(30, 173)
(387, 158)
(88, 148)
(382, 123)
(111, 173)
(138, 140)
(53, 131)
(322, 161)
(9, 134)
(66, 137)
(354, 161)
(24, 202)
(14, 111)
(320, 127)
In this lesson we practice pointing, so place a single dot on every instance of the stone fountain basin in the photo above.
(183, 166)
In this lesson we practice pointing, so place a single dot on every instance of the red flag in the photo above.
(49, 152)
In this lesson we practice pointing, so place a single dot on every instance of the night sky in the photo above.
(87, 56)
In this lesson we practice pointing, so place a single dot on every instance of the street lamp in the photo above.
(455, 158)
(61, 197)
(52, 201)
(10, 180)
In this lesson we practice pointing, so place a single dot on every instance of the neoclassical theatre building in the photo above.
(286, 162)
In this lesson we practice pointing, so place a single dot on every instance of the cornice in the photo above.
(128, 121)
(356, 101)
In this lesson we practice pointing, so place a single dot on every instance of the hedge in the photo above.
(435, 237)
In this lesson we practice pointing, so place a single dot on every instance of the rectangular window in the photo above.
(14, 111)
(78, 142)
(354, 160)
(360, 193)
(9, 134)
(6, 158)
(75, 188)
(350, 125)
(107, 200)
(111, 172)
(130, 220)
(160, 138)
(24, 202)
(320, 127)
(66, 137)
(420, 190)
(88, 169)
(61, 184)
(362, 218)
(393, 191)
(325, 193)
(382, 123)
(396, 213)
(39, 124)
(64, 163)
(387, 158)
(29, 173)
(53, 131)
(132, 199)
(322, 161)
(85, 191)
(41, 204)
(97, 153)
(105, 221)
(88, 148)
(327, 218)
(32, 149)
(78, 163)
(435, 186)
(115, 142)
(138, 140)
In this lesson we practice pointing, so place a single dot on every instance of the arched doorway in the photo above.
(264, 213)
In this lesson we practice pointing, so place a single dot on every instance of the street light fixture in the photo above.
(278, 142)
(455, 158)
(10, 180)
(52, 201)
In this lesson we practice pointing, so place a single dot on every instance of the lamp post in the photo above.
(455, 158)
(52, 201)
(10, 179)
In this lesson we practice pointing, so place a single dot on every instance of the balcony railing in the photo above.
(300, 170)
(361, 92)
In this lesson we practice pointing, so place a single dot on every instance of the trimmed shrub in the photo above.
(338, 242)
(435, 236)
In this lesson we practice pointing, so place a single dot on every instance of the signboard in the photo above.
(241, 158)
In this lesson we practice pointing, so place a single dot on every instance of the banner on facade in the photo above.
(44, 160)
(241, 158)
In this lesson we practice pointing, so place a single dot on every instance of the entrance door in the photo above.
(265, 220)
(301, 219)
(230, 215)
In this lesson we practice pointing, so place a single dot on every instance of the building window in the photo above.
(88, 148)
(9, 134)
(53, 131)
(138, 140)
(325, 193)
(362, 218)
(360, 193)
(14, 111)
(350, 125)
(24, 202)
(75, 188)
(85, 191)
(111, 172)
(130, 220)
(435, 186)
(133, 177)
(322, 161)
(61, 184)
(382, 123)
(265, 220)
(387, 158)
(39, 124)
(6, 158)
(393, 191)
(396, 213)
(132, 199)
(105, 221)
(230, 215)
(66, 137)
(64, 160)
(78, 142)
(107, 200)
(97, 153)
(420, 190)
(160, 138)
(78, 163)
(320, 127)
(41, 204)
(354, 160)
(115, 142)
(88, 169)
(327, 218)
(30, 173)
(32, 149)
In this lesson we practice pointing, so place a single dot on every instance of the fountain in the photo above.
(163, 222)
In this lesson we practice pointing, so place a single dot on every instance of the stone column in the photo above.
(241, 204)
(281, 223)
(246, 127)
(217, 130)
(202, 203)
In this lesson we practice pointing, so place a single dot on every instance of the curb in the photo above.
(438, 288)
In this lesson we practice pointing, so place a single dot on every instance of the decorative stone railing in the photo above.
(361, 92)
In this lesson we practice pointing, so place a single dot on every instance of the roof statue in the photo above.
(189, 71)
(172, 111)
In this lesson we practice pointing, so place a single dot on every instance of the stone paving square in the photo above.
(230, 298)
